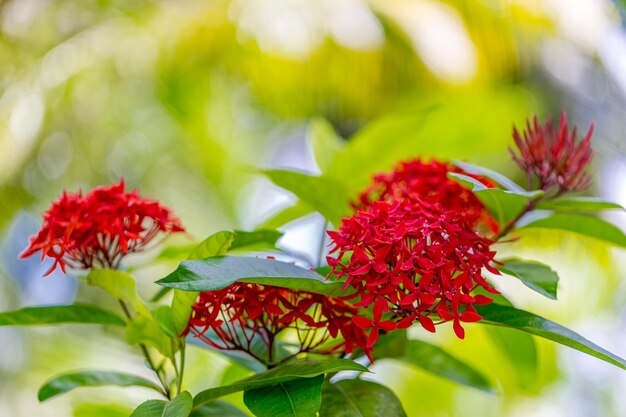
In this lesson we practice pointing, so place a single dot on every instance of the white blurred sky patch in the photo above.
(296, 28)
(439, 37)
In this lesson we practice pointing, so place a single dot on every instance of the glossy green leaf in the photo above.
(287, 372)
(150, 408)
(262, 239)
(100, 410)
(120, 285)
(578, 204)
(324, 141)
(67, 382)
(535, 275)
(296, 398)
(436, 360)
(514, 318)
(76, 313)
(502, 204)
(180, 406)
(582, 224)
(215, 273)
(215, 245)
(327, 196)
(359, 398)
(218, 408)
(521, 352)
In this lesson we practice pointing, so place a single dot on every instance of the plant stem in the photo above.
(530, 206)
(146, 355)
(181, 371)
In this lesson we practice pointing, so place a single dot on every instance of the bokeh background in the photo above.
(187, 99)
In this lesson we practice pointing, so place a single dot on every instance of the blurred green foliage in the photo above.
(187, 100)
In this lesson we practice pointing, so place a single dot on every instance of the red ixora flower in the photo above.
(99, 228)
(554, 156)
(243, 313)
(419, 181)
(413, 261)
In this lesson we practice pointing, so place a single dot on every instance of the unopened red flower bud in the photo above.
(553, 157)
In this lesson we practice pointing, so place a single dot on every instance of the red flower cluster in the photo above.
(553, 156)
(99, 228)
(243, 313)
(428, 182)
(412, 260)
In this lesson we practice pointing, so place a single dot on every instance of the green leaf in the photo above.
(120, 285)
(325, 195)
(288, 214)
(67, 382)
(535, 275)
(76, 313)
(163, 317)
(391, 345)
(100, 410)
(505, 182)
(585, 225)
(216, 244)
(262, 239)
(324, 141)
(145, 329)
(218, 408)
(436, 360)
(514, 318)
(182, 304)
(150, 408)
(578, 204)
(296, 398)
(359, 398)
(219, 272)
(521, 351)
(283, 373)
(180, 406)
(503, 205)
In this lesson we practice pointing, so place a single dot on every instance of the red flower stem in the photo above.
(165, 387)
